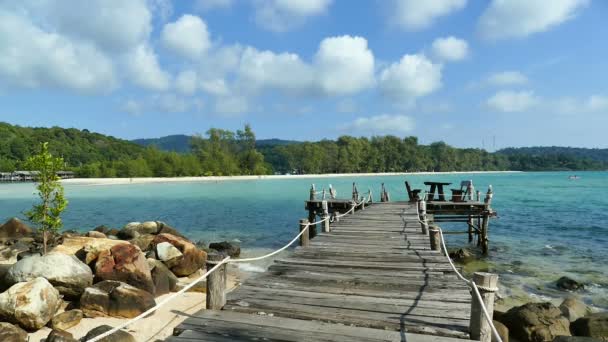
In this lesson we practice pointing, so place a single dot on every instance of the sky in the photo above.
(488, 74)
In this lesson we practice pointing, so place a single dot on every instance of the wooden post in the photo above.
(479, 327)
(470, 223)
(486, 221)
(471, 190)
(323, 196)
(313, 192)
(312, 217)
(326, 228)
(435, 238)
(478, 196)
(425, 224)
(382, 194)
(216, 282)
(304, 238)
(371, 196)
(355, 194)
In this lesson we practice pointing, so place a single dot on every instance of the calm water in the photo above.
(548, 225)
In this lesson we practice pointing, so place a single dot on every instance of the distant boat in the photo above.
(574, 177)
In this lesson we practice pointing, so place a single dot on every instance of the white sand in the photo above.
(118, 181)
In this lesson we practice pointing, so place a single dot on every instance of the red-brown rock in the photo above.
(124, 263)
(193, 260)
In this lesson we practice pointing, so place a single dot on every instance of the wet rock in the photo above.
(164, 280)
(536, 322)
(503, 332)
(126, 263)
(79, 244)
(15, 229)
(30, 304)
(95, 234)
(576, 339)
(12, 333)
(164, 228)
(168, 254)
(115, 299)
(119, 336)
(60, 336)
(135, 229)
(230, 248)
(569, 284)
(574, 309)
(193, 259)
(462, 255)
(144, 242)
(67, 319)
(102, 229)
(594, 325)
(65, 272)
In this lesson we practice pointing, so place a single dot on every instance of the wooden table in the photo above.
(439, 187)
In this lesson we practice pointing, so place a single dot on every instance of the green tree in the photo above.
(47, 214)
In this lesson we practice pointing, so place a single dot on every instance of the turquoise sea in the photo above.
(548, 225)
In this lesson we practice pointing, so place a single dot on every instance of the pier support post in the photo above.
(355, 192)
(304, 238)
(435, 238)
(312, 217)
(216, 282)
(326, 228)
(479, 327)
(313, 192)
(425, 224)
(486, 221)
(470, 223)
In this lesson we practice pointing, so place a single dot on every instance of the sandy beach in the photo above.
(146, 180)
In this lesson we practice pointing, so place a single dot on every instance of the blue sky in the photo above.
(498, 73)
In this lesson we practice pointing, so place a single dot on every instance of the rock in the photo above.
(164, 280)
(15, 251)
(60, 336)
(565, 283)
(462, 255)
(67, 319)
(576, 339)
(67, 274)
(574, 309)
(164, 228)
(503, 332)
(115, 299)
(230, 248)
(594, 325)
(27, 254)
(536, 322)
(135, 229)
(119, 336)
(168, 254)
(127, 263)
(102, 229)
(193, 259)
(97, 235)
(30, 304)
(144, 242)
(200, 287)
(12, 333)
(15, 229)
(75, 245)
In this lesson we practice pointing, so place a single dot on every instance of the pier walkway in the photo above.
(374, 277)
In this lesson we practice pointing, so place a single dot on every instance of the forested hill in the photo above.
(597, 154)
(224, 152)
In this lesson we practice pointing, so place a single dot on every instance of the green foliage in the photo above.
(47, 214)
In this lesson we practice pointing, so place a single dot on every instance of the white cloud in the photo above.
(142, 65)
(187, 37)
(572, 105)
(520, 18)
(186, 82)
(231, 105)
(413, 15)
(450, 48)
(170, 103)
(283, 15)
(412, 77)
(344, 65)
(215, 87)
(505, 78)
(598, 103)
(381, 124)
(346, 106)
(132, 107)
(512, 101)
(32, 57)
(207, 5)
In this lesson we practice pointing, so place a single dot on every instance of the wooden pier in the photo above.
(371, 276)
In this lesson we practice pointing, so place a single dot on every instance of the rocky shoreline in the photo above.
(104, 273)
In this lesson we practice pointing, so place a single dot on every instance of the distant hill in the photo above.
(181, 143)
(596, 154)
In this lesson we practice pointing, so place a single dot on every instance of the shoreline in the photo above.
(148, 180)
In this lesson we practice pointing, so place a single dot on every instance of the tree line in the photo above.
(223, 152)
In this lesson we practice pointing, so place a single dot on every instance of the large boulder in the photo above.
(576, 339)
(11, 252)
(502, 330)
(80, 245)
(15, 229)
(164, 280)
(574, 309)
(135, 229)
(30, 304)
(115, 299)
(12, 333)
(193, 260)
(568, 284)
(594, 325)
(536, 322)
(230, 248)
(119, 336)
(60, 336)
(66, 319)
(168, 254)
(96, 234)
(67, 274)
(164, 228)
(144, 242)
(125, 263)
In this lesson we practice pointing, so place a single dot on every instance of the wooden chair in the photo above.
(412, 194)
(460, 195)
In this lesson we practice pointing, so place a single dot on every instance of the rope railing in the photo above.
(469, 283)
